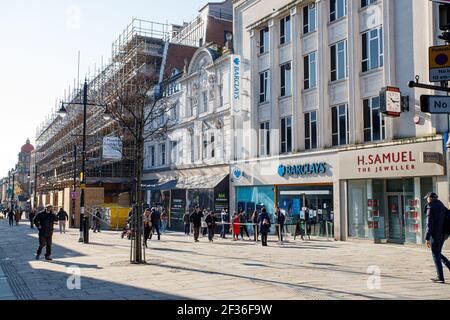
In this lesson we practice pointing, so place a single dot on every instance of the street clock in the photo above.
(391, 102)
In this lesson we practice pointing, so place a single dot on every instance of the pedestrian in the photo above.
(211, 223)
(236, 227)
(31, 217)
(196, 219)
(224, 219)
(435, 237)
(204, 225)
(44, 222)
(264, 226)
(18, 215)
(97, 221)
(62, 218)
(164, 220)
(280, 220)
(147, 226)
(254, 219)
(187, 223)
(155, 218)
(243, 224)
(11, 217)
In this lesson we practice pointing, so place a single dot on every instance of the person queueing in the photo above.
(156, 220)
(187, 223)
(243, 223)
(435, 237)
(147, 226)
(44, 221)
(11, 218)
(224, 218)
(196, 219)
(236, 227)
(280, 224)
(264, 226)
(211, 222)
(62, 218)
(256, 231)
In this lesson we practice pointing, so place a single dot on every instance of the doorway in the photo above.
(397, 209)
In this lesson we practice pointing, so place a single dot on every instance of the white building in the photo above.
(191, 166)
(319, 147)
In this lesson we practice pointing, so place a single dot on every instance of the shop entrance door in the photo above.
(396, 219)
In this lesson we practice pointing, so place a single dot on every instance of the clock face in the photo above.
(393, 101)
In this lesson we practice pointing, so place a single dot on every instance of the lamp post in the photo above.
(84, 218)
(12, 189)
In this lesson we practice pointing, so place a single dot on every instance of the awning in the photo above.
(200, 182)
(160, 184)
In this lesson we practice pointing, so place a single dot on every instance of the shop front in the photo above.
(384, 189)
(181, 190)
(305, 188)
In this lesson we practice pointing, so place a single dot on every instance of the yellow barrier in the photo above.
(117, 215)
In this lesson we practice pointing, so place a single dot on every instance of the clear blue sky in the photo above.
(39, 43)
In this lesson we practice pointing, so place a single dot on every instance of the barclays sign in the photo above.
(302, 170)
(236, 78)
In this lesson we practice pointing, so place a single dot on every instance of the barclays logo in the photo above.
(237, 61)
(302, 170)
(237, 173)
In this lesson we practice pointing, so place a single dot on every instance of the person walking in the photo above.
(435, 236)
(155, 218)
(44, 221)
(18, 215)
(186, 222)
(196, 219)
(211, 222)
(97, 221)
(204, 225)
(164, 220)
(62, 218)
(236, 227)
(147, 226)
(264, 226)
(31, 217)
(224, 219)
(11, 218)
(280, 220)
(254, 219)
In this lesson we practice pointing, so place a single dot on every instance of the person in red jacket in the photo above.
(236, 226)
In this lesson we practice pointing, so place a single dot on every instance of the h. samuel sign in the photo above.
(302, 170)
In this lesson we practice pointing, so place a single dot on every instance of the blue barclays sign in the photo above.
(302, 170)
(236, 82)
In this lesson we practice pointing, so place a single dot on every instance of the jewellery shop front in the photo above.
(384, 188)
(305, 187)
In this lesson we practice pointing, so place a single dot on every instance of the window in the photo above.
(286, 135)
(152, 155)
(311, 130)
(365, 3)
(374, 124)
(310, 71)
(340, 125)
(213, 146)
(174, 149)
(337, 9)
(309, 18)
(264, 86)
(286, 80)
(285, 30)
(264, 40)
(205, 147)
(372, 49)
(162, 152)
(264, 139)
(339, 61)
(204, 102)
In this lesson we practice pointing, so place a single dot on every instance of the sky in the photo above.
(39, 44)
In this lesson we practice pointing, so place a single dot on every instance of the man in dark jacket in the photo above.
(156, 220)
(264, 226)
(44, 222)
(11, 217)
(280, 224)
(97, 221)
(436, 212)
(62, 218)
(196, 219)
(211, 222)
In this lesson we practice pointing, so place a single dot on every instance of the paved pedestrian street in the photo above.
(180, 269)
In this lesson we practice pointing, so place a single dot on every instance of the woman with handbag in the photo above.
(264, 226)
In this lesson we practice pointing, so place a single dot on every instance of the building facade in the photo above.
(313, 138)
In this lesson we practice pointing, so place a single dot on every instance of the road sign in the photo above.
(439, 63)
(435, 104)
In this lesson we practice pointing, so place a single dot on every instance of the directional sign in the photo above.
(439, 63)
(435, 104)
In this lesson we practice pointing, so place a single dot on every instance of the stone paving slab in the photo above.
(179, 269)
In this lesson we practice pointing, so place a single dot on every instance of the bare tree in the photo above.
(141, 114)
